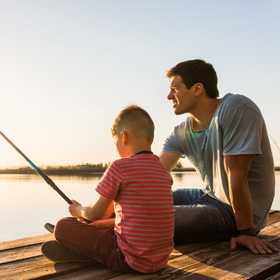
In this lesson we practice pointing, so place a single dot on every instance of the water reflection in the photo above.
(186, 180)
(36, 177)
(178, 176)
(28, 202)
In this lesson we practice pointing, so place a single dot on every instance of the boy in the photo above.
(140, 238)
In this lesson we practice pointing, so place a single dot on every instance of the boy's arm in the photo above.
(107, 219)
(91, 212)
(109, 213)
(103, 223)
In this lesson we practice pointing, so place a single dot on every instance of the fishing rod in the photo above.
(40, 172)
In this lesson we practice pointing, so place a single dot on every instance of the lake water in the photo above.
(28, 202)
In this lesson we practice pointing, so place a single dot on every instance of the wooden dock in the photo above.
(22, 259)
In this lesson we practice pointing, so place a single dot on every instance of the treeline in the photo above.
(81, 169)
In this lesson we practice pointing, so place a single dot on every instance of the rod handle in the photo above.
(54, 186)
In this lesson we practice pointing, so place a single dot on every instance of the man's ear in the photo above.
(124, 137)
(198, 88)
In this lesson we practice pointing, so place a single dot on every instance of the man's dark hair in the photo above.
(197, 71)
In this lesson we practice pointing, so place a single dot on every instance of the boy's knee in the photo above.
(62, 225)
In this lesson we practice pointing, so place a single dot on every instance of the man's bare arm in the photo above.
(237, 168)
(169, 160)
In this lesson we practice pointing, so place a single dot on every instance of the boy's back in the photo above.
(141, 189)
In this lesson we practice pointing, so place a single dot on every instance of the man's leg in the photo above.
(187, 196)
(96, 242)
(200, 217)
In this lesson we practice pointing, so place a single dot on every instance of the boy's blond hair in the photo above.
(135, 120)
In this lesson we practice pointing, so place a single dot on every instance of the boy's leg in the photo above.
(200, 217)
(98, 243)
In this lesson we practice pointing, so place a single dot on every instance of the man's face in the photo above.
(183, 99)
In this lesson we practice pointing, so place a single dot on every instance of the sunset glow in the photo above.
(69, 67)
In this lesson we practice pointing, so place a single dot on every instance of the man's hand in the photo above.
(254, 244)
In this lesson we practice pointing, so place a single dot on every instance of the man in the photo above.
(226, 140)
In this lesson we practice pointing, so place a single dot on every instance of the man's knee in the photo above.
(187, 196)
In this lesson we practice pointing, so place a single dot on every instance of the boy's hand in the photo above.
(75, 209)
(91, 212)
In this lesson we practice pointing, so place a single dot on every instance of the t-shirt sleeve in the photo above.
(171, 143)
(242, 130)
(110, 182)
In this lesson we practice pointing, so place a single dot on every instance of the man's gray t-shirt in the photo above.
(237, 128)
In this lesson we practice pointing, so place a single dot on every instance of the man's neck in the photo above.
(203, 116)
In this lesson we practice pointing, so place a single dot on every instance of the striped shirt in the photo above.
(141, 189)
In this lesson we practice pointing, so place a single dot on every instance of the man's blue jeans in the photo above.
(200, 217)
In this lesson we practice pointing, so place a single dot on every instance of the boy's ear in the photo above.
(124, 136)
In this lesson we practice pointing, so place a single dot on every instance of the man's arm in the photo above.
(169, 160)
(237, 168)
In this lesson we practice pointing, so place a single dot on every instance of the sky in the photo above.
(67, 68)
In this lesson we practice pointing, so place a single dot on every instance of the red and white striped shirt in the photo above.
(141, 189)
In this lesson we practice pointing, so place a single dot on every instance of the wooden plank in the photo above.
(274, 277)
(25, 241)
(182, 249)
(226, 264)
(274, 216)
(96, 273)
(179, 268)
(7, 256)
(215, 262)
(271, 230)
(21, 259)
(39, 267)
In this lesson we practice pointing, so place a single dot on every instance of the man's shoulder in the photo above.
(231, 98)
(184, 124)
(233, 101)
